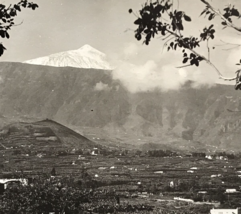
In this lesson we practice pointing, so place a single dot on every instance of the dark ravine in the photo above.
(189, 116)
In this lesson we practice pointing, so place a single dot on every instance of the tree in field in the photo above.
(161, 18)
(7, 15)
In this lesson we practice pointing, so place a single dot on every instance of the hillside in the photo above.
(92, 103)
(43, 135)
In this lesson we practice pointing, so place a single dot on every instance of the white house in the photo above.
(231, 191)
(224, 211)
(202, 192)
(184, 199)
(209, 157)
(193, 168)
(23, 181)
(158, 172)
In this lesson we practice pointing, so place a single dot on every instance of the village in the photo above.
(156, 177)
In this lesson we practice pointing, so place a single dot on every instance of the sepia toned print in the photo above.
(113, 106)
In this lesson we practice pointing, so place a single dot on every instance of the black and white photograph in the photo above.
(120, 106)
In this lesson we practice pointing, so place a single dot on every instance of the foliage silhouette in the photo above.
(7, 15)
(160, 17)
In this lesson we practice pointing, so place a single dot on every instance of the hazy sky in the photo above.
(61, 25)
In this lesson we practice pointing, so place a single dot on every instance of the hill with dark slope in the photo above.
(43, 135)
(91, 102)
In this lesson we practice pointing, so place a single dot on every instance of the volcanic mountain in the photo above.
(84, 57)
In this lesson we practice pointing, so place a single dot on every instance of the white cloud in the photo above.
(130, 50)
(159, 72)
(234, 57)
(149, 76)
(100, 86)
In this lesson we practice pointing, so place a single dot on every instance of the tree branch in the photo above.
(217, 12)
(227, 43)
(204, 58)
(208, 50)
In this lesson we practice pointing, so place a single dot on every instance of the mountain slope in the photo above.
(41, 134)
(72, 96)
(84, 57)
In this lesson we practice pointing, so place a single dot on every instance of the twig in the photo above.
(217, 12)
(183, 66)
(204, 58)
(18, 24)
(128, 29)
(208, 50)
(167, 42)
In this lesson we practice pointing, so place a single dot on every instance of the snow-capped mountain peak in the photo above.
(84, 57)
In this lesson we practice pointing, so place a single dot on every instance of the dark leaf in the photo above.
(34, 6)
(226, 15)
(185, 60)
(175, 46)
(173, 26)
(179, 14)
(17, 7)
(171, 44)
(2, 48)
(203, 12)
(13, 13)
(138, 36)
(2, 33)
(192, 61)
(180, 26)
(226, 9)
(146, 31)
(148, 37)
(196, 63)
(138, 21)
(212, 31)
(237, 64)
(185, 55)
(187, 18)
(211, 26)
(158, 8)
(223, 23)
(7, 35)
(211, 16)
(2, 6)
(192, 55)
(235, 12)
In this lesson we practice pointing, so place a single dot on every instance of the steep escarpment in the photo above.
(91, 99)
